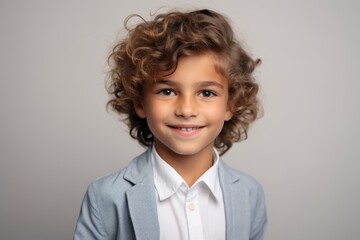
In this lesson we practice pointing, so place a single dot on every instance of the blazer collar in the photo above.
(141, 198)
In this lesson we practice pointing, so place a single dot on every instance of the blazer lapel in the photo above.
(141, 198)
(236, 201)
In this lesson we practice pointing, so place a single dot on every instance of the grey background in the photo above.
(56, 136)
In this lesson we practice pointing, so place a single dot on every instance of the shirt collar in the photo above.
(167, 181)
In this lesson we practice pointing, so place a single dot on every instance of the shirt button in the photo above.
(191, 206)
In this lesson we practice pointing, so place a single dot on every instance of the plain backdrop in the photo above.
(56, 135)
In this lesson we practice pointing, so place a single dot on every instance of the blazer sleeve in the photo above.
(259, 220)
(90, 224)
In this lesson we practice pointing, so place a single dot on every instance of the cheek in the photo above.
(217, 110)
(154, 111)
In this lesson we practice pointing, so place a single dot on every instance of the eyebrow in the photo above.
(211, 83)
(202, 84)
(166, 82)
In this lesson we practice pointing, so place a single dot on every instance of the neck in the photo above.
(189, 167)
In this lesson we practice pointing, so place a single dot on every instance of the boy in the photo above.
(186, 89)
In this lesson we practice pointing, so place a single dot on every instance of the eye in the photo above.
(166, 92)
(207, 93)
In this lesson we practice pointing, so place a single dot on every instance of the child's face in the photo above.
(186, 110)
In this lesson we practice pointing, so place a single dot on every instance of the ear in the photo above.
(139, 109)
(228, 113)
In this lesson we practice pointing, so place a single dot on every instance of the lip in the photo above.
(186, 130)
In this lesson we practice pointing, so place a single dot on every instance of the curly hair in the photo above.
(154, 47)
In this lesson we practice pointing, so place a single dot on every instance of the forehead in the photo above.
(201, 67)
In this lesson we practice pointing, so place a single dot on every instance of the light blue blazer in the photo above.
(122, 206)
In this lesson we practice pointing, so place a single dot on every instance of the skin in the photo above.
(186, 111)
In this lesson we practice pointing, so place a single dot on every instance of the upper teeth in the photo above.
(186, 129)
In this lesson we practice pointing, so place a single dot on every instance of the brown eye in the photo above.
(167, 92)
(207, 93)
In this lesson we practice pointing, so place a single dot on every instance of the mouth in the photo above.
(186, 131)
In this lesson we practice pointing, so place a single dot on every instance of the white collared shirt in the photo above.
(184, 213)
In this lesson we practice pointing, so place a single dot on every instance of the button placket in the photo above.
(193, 215)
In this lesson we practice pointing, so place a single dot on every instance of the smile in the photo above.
(187, 129)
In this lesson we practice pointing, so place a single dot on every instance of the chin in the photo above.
(187, 151)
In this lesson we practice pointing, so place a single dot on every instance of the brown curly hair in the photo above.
(154, 47)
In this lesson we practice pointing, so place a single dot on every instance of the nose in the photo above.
(186, 107)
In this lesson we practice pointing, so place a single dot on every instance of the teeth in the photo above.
(186, 129)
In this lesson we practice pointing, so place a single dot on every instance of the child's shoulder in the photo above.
(238, 177)
(119, 181)
(241, 185)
